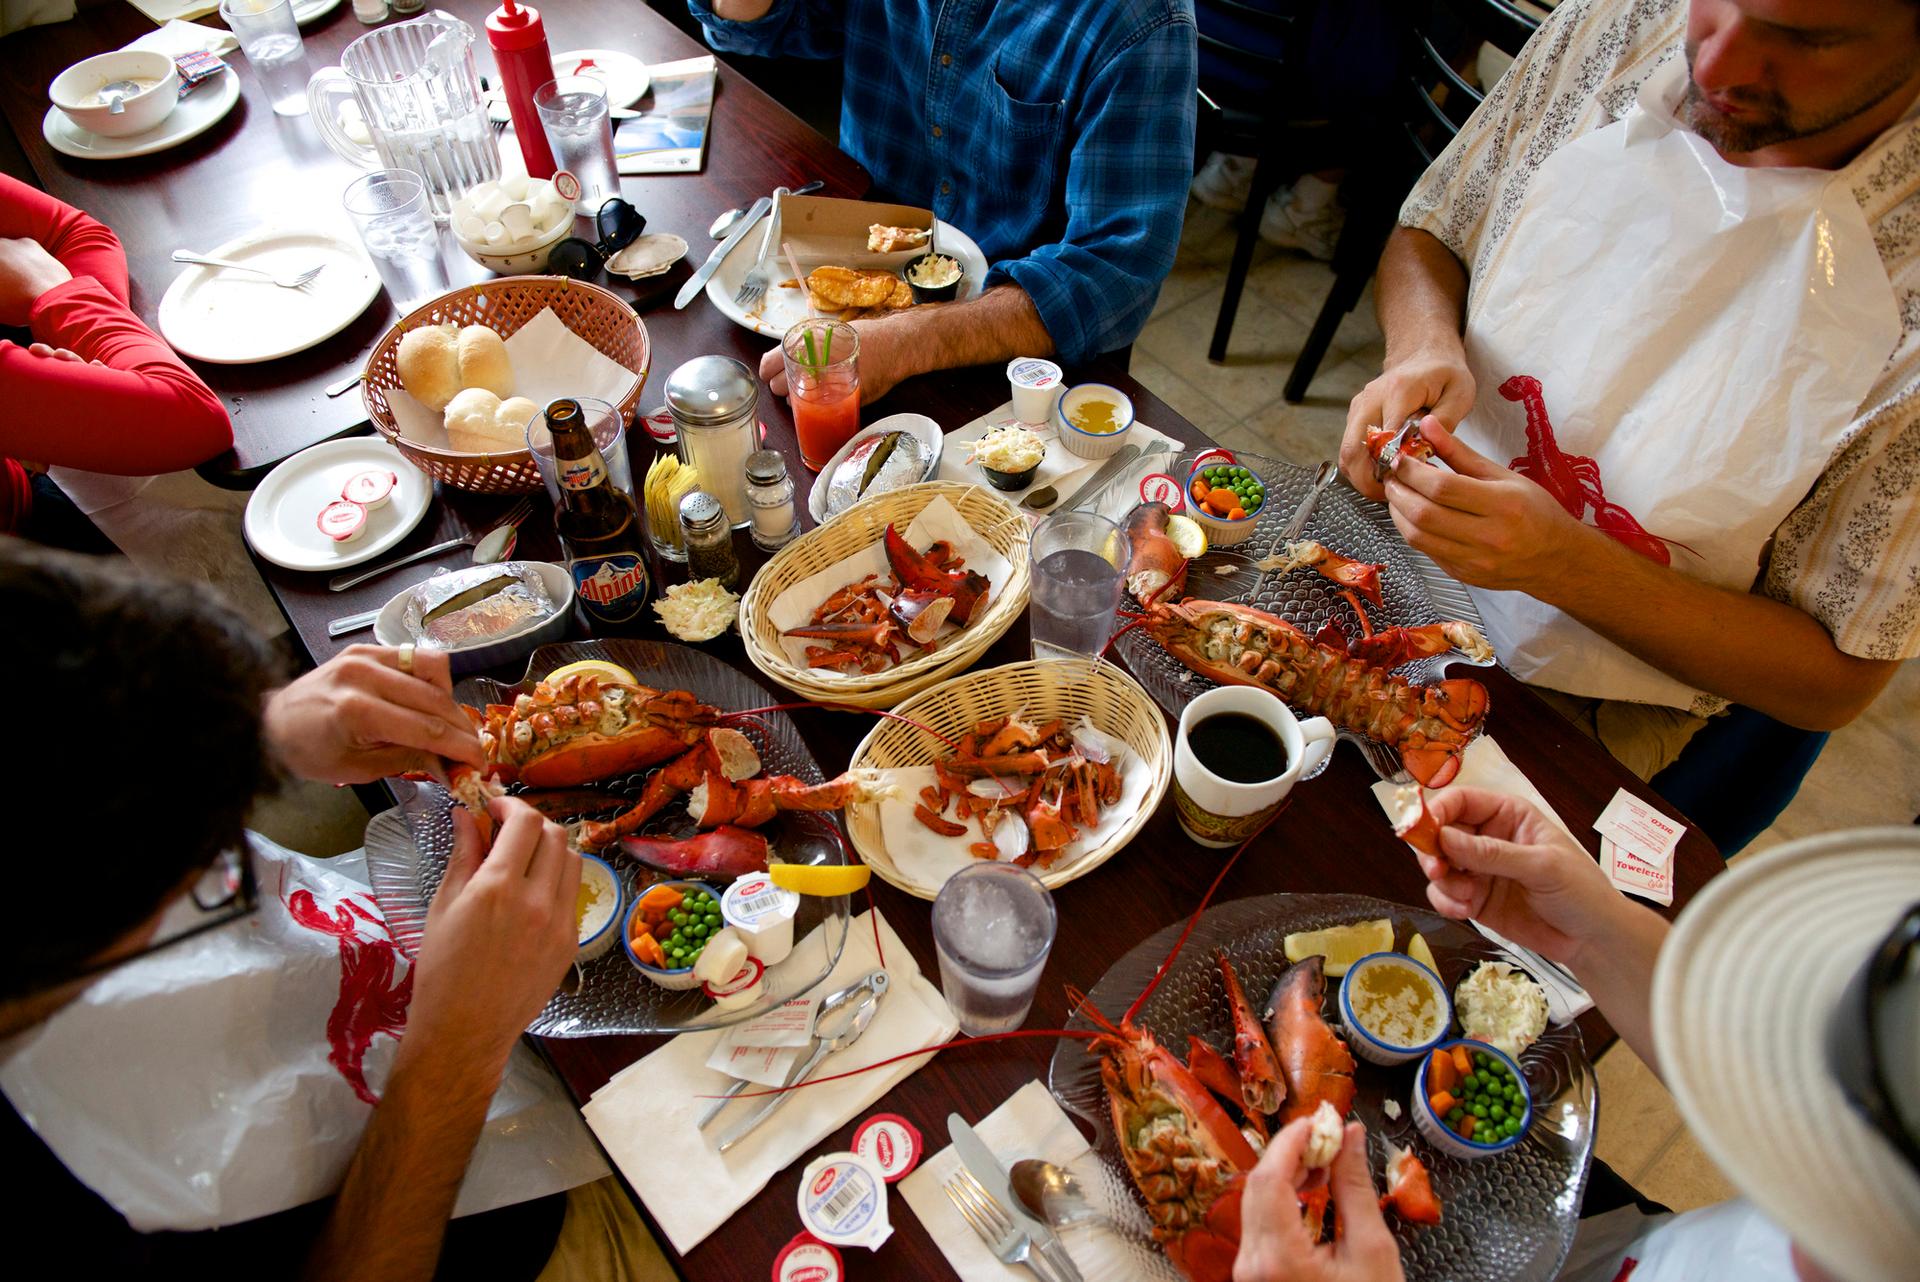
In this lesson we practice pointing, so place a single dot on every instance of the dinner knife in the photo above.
(699, 279)
(985, 1167)
(1112, 468)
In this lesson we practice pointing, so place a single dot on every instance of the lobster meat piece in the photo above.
(1409, 1191)
(918, 573)
(1413, 823)
(1261, 1088)
(1430, 725)
(1361, 576)
(1153, 562)
(1317, 1065)
(1186, 1156)
(585, 728)
(726, 851)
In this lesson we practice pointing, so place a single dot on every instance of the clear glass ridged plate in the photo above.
(407, 850)
(1414, 590)
(1508, 1218)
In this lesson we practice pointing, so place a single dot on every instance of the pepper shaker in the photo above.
(770, 491)
(708, 538)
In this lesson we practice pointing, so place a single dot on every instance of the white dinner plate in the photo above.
(305, 11)
(281, 515)
(196, 113)
(781, 308)
(625, 76)
(228, 317)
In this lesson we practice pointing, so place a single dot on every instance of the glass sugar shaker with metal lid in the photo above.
(714, 401)
(708, 539)
(770, 491)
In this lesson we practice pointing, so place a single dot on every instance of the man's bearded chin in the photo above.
(1773, 120)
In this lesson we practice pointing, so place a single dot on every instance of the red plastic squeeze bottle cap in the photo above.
(514, 26)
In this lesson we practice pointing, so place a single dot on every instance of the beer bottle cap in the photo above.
(765, 467)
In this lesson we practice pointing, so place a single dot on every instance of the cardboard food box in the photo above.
(826, 230)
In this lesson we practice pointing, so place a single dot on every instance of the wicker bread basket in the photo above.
(996, 521)
(595, 314)
(1041, 690)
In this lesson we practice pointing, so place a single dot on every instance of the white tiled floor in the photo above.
(1869, 773)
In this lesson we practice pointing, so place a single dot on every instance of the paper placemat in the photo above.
(1063, 470)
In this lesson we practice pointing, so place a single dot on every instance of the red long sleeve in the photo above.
(84, 245)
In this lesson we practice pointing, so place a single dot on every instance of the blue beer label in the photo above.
(611, 588)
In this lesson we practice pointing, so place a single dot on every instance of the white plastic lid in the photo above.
(1032, 371)
(754, 901)
(843, 1200)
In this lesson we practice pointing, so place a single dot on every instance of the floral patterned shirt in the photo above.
(1849, 554)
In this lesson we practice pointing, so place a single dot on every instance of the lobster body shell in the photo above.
(583, 728)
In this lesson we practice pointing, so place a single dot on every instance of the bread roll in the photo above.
(473, 424)
(429, 365)
(484, 361)
(513, 416)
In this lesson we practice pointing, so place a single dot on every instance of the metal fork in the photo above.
(1384, 760)
(990, 1220)
(754, 287)
(289, 280)
(514, 515)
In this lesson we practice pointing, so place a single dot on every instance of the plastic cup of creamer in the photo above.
(762, 913)
(1036, 386)
(843, 1201)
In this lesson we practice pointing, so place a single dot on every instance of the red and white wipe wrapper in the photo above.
(370, 489)
(1036, 385)
(763, 915)
(342, 521)
(892, 1143)
(1158, 487)
(660, 426)
(744, 989)
(807, 1259)
(843, 1201)
(1210, 457)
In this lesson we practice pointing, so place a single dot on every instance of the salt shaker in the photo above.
(370, 11)
(714, 401)
(770, 491)
(709, 539)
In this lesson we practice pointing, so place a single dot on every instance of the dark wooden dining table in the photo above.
(1332, 837)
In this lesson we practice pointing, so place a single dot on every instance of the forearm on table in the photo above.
(81, 243)
(1616, 968)
(1420, 294)
(391, 1214)
(1741, 646)
(997, 326)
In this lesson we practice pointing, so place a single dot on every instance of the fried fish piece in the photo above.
(882, 239)
(902, 296)
(850, 287)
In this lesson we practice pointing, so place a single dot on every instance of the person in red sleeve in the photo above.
(89, 386)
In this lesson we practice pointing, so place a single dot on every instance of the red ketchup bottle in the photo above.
(519, 42)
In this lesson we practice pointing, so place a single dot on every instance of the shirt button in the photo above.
(946, 60)
(936, 131)
(945, 187)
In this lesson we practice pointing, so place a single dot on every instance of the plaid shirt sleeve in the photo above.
(1126, 192)
(793, 28)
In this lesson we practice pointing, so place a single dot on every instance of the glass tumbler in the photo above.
(993, 926)
(579, 125)
(1079, 560)
(390, 209)
(823, 386)
(271, 39)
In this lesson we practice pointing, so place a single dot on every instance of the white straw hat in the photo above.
(1742, 996)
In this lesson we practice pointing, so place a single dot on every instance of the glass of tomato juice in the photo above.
(823, 386)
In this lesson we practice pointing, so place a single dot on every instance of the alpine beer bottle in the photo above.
(598, 526)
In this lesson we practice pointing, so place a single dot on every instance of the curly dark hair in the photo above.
(137, 749)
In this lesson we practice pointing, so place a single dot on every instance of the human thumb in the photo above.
(1456, 454)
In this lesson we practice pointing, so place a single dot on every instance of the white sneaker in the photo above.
(1305, 217)
(1224, 182)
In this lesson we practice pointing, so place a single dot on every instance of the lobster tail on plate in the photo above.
(584, 728)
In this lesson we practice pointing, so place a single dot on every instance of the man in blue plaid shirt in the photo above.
(1057, 133)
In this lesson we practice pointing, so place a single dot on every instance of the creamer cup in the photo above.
(744, 989)
(807, 1259)
(843, 1201)
(1036, 385)
(892, 1142)
(763, 915)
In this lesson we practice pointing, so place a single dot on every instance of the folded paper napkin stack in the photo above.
(645, 1116)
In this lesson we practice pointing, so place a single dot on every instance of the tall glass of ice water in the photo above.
(1079, 559)
(271, 39)
(579, 125)
(390, 208)
(993, 927)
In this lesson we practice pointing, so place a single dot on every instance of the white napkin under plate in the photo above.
(1062, 469)
(549, 361)
(645, 1116)
(1029, 1124)
(1486, 765)
(176, 37)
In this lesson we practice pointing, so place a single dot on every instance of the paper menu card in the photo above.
(670, 134)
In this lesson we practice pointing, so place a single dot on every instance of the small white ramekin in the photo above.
(680, 979)
(1092, 444)
(1377, 1050)
(595, 946)
(1221, 532)
(1435, 1128)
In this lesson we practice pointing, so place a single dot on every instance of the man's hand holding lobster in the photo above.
(1274, 1241)
(1433, 379)
(358, 717)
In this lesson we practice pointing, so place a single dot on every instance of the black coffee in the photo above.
(1238, 747)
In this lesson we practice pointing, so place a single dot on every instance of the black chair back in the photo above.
(1446, 36)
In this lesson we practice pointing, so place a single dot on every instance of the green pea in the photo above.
(1455, 1114)
(1498, 1112)
(1477, 1109)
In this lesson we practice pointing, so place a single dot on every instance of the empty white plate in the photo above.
(228, 317)
(282, 514)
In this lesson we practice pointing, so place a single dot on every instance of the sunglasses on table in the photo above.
(618, 223)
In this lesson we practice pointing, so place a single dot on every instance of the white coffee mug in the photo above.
(1218, 812)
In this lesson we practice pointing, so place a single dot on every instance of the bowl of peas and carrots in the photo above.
(1471, 1100)
(666, 929)
(1227, 499)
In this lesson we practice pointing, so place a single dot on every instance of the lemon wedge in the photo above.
(1188, 538)
(597, 667)
(1418, 950)
(1342, 946)
(820, 879)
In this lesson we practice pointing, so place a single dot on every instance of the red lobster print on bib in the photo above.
(1573, 479)
(371, 1001)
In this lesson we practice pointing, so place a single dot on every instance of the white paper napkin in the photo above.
(1029, 1124)
(1486, 765)
(1062, 469)
(167, 11)
(176, 37)
(549, 361)
(937, 520)
(645, 1116)
(927, 859)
